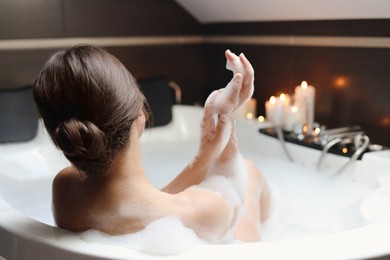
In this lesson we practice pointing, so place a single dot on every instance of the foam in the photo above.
(229, 180)
(308, 203)
(274, 205)
(224, 187)
(224, 102)
(375, 207)
(221, 185)
(234, 169)
(165, 236)
(168, 235)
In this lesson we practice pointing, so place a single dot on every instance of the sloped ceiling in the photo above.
(211, 11)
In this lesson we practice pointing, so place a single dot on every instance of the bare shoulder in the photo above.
(63, 197)
(65, 176)
(64, 181)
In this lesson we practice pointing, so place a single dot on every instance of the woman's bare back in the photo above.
(80, 205)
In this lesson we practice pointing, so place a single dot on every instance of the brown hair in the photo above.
(88, 101)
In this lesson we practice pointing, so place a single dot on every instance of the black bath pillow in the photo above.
(160, 99)
(18, 115)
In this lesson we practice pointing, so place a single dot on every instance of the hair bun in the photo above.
(84, 144)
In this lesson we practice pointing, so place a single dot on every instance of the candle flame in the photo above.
(345, 150)
(341, 82)
(282, 97)
(304, 85)
(261, 118)
(249, 115)
(294, 109)
(385, 121)
(305, 129)
(272, 100)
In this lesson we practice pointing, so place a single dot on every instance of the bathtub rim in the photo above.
(65, 243)
(50, 238)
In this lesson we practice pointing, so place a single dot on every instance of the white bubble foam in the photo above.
(234, 169)
(376, 206)
(223, 186)
(164, 236)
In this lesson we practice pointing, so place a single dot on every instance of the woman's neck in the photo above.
(127, 168)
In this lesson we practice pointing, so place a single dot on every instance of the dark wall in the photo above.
(199, 68)
(352, 84)
(20, 19)
(26, 19)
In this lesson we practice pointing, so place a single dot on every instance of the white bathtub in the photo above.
(316, 215)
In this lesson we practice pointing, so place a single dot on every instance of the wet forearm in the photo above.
(193, 174)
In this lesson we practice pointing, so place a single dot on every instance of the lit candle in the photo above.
(274, 109)
(305, 100)
(293, 117)
(285, 99)
(279, 112)
(248, 110)
(270, 108)
(261, 119)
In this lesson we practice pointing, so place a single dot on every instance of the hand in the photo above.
(214, 136)
(240, 64)
(222, 103)
(226, 100)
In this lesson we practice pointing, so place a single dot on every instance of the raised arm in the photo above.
(222, 104)
(214, 136)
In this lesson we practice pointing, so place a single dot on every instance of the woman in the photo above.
(95, 113)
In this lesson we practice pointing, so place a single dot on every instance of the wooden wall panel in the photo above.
(127, 17)
(102, 18)
(30, 19)
(21, 67)
(182, 64)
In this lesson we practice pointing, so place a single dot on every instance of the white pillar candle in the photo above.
(305, 100)
(293, 117)
(278, 116)
(274, 109)
(270, 109)
(285, 99)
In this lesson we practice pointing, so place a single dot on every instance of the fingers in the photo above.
(208, 121)
(236, 98)
(222, 131)
(230, 56)
(236, 85)
(241, 65)
(233, 62)
(222, 102)
(248, 81)
(246, 65)
(229, 98)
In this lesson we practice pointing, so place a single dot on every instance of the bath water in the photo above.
(164, 236)
(304, 202)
